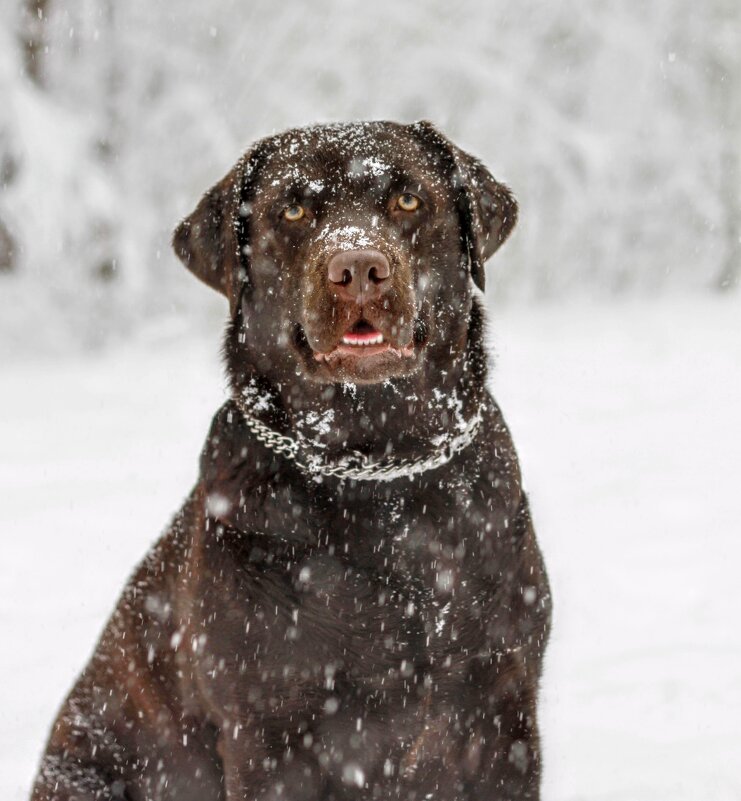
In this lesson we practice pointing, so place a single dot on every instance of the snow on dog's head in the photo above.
(348, 251)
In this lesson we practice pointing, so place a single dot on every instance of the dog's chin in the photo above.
(359, 362)
(366, 364)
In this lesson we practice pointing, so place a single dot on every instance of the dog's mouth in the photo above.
(362, 353)
(362, 334)
(361, 341)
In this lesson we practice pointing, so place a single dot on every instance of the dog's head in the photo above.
(347, 251)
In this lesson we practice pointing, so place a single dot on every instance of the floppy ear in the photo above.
(487, 208)
(213, 241)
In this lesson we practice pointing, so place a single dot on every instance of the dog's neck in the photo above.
(395, 417)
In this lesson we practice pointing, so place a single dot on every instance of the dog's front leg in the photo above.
(64, 778)
(253, 771)
(502, 756)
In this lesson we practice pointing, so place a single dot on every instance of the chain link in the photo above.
(357, 465)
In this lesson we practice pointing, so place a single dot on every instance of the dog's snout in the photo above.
(359, 275)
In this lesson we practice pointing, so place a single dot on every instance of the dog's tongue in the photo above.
(362, 333)
(370, 336)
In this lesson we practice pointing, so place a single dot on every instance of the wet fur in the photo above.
(295, 638)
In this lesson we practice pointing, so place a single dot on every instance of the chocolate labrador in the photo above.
(351, 603)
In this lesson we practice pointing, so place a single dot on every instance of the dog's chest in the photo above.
(392, 600)
(425, 541)
(399, 584)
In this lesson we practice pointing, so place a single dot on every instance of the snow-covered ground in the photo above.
(627, 421)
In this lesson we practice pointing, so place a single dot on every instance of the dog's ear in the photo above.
(213, 241)
(487, 208)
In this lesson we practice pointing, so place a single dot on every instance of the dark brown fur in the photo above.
(296, 638)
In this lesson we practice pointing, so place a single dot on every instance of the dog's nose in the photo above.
(359, 275)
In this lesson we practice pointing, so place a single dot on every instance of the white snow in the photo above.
(626, 418)
(346, 237)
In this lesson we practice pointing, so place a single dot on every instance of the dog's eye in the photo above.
(293, 213)
(408, 202)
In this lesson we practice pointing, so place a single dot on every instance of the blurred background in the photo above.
(618, 124)
(615, 321)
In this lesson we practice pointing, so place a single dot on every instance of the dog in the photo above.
(351, 603)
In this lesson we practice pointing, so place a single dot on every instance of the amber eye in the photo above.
(293, 213)
(408, 202)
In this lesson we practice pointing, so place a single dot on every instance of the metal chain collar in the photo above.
(357, 465)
